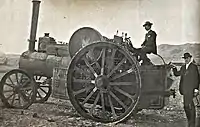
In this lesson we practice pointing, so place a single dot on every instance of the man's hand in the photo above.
(172, 65)
(196, 92)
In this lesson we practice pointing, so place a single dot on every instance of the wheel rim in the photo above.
(17, 89)
(100, 77)
(44, 88)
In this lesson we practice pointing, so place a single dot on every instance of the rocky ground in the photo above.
(60, 113)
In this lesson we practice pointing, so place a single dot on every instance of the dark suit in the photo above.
(148, 46)
(150, 42)
(188, 82)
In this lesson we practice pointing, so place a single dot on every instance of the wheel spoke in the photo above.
(29, 94)
(118, 100)
(112, 107)
(116, 67)
(102, 102)
(24, 97)
(95, 103)
(111, 63)
(44, 86)
(95, 60)
(11, 85)
(89, 96)
(21, 78)
(26, 82)
(122, 84)
(11, 81)
(6, 91)
(83, 81)
(90, 67)
(124, 93)
(13, 99)
(39, 95)
(122, 74)
(43, 90)
(81, 70)
(81, 90)
(17, 79)
(10, 96)
(39, 77)
(35, 77)
(103, 61)
(19, 98)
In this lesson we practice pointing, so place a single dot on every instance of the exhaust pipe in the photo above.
(34, 22)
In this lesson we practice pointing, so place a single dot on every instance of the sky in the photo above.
(175, 21)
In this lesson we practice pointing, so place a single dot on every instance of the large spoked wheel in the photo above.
(104, 82)
(17, 89)
(44, 88)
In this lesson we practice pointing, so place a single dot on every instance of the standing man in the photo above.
(188, 87)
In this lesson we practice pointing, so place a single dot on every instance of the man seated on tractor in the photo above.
(148, 46)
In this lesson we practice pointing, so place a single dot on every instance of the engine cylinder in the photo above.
(38, 63)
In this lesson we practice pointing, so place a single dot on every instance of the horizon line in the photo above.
(157, 45)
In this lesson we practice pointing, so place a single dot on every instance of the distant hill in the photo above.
(13, 59)
(170, 53)
(175, 52)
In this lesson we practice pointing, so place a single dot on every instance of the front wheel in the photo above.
(17, 89)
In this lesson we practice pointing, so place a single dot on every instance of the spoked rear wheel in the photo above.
(17, 89)
(44, 88)
(104, 82)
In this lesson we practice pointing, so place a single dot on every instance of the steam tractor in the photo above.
(102, 79)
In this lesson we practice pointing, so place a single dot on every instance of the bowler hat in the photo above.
(186, 55)
(46, 34)
(148, 23)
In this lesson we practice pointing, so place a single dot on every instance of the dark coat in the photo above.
(189, 78)
(150, 42)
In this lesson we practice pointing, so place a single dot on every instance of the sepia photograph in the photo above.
(100, 63)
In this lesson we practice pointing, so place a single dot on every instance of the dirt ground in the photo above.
(60, 113)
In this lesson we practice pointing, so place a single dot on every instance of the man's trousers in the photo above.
(189, 109)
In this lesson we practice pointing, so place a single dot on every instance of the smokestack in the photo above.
(34, 22)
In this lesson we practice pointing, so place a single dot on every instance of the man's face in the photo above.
(147, 27)
(187, 60)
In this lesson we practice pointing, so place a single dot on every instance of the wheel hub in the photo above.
(102, 82)
(17, 88)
